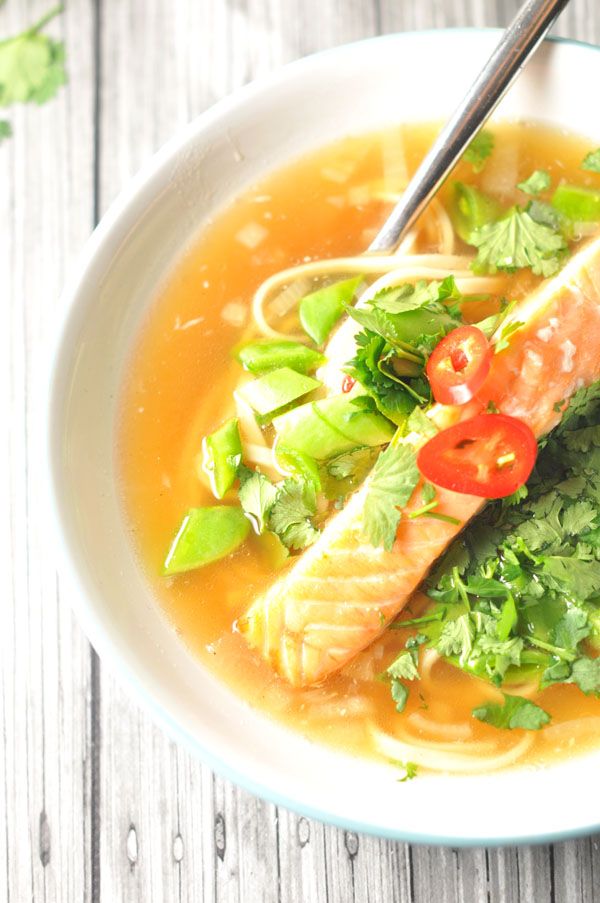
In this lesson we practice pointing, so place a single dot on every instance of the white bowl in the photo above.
(351, 89)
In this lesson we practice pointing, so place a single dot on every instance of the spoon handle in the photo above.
(517, 44)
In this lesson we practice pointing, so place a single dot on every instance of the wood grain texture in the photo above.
(46, 212)
(96, 804)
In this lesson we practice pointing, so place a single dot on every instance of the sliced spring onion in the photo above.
(262, 357)
(578, 203)
(470, 209)
(206, 535)
(326, 428)
(221, 456)
(269, 394)
(320, 311)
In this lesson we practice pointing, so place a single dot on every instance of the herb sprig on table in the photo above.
(31, 67)
(517, 596)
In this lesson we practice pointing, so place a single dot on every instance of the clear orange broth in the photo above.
(178, 388)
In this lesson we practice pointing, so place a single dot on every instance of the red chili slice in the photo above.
(489, 455)
(348, 384)
(458, 365)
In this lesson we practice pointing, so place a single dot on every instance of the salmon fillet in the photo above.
(343, 592)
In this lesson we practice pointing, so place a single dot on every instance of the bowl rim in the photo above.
(70, 570)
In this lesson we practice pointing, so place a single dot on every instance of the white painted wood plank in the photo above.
(46, 202)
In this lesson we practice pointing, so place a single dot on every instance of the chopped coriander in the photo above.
(399, 694)
(31, 65)
(392, 483)
(517, 241)
(5, 130)
(537, 182)
(591, 161)
(586, 674)
(401, 326)
(479, 150)
(291, 513)
(410, 771)
(515, 712)
(257, 495)
(285, 509)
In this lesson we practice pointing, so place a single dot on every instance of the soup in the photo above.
(253, 416)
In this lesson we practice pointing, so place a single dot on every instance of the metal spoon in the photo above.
(517, 45)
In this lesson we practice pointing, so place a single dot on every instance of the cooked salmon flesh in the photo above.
(343, 592)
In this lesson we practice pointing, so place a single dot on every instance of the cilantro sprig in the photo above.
(517, 596)
(32, 67)
(517, 241)
(285, 509)
(391, 485)
(401, 326)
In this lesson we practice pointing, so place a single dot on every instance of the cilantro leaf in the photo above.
(257, 496)
(515, 712)
(479, 150)
(579, 517)
(591, 161)
(538, 181)
(456, 638)
(353, 465)
(586, 674)
(517, 241)
(392, 483)
(290, 515)
(5, 130)
(404, 667)
(572, 628)
(410, 769)
(581, 579)
(399, 694)
(31, 65)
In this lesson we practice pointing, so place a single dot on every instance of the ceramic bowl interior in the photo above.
(358, 88)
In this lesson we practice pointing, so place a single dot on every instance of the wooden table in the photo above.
(99, 805)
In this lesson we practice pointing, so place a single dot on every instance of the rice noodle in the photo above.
(475, 758)
(298, 281)
(422, 722)
(573, 730)
(428, 659)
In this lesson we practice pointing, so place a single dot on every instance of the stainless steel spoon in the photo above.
(518, 43)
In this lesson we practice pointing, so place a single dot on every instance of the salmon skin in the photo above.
(341, 594)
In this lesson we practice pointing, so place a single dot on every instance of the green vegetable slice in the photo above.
(206, 535)
(326, 428)
(578, 203)
(270, 393)
(471, 209)
(262, 357)
(221, 457)
(320, 311)
(297, 464)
